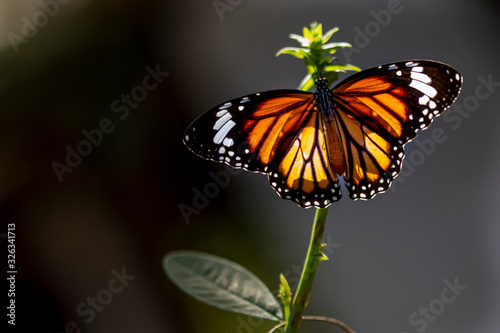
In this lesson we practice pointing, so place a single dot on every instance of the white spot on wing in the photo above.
(424, 88)
(221, 134)
(423, 100)
(228, 142)
(221, 113)
(226, 105)
(221, 121)
(421, 77)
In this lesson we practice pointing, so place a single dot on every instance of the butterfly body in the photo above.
(305, 141)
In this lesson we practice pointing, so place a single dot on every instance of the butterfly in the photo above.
(305, 142)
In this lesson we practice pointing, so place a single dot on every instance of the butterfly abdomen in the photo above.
(326, 106)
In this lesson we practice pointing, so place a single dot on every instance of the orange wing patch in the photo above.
(267, 132)
(368, 85)
(394, 104)
(304, 173)
(379, 103)
(372, 161)
(303, 162)
(385, 111)
(271, 121)
(278, 105)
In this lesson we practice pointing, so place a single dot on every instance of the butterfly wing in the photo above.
(303, 171)
(246, 131)
(379, 110)
(276, 132)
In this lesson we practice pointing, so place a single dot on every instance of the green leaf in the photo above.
(329, 34)
(332, 47)
(317, 32)
(307, 33)
(221, 283)
(295, 51)
(303, 41)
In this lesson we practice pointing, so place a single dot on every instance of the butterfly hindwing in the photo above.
(371, 161)
(380, 110)
(303, 173)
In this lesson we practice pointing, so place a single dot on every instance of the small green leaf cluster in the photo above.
(317, 55)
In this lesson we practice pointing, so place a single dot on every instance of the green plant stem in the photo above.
(314, 257)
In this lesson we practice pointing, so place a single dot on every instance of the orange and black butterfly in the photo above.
(305, 141)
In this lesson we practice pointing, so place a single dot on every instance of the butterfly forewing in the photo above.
(396, 100)
(245, 132)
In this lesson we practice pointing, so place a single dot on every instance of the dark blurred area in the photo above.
(95, 96)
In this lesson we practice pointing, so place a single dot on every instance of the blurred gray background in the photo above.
(118, 210)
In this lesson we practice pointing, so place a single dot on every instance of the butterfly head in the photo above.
(321, 83)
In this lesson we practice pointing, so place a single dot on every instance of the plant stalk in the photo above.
(314, 257)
